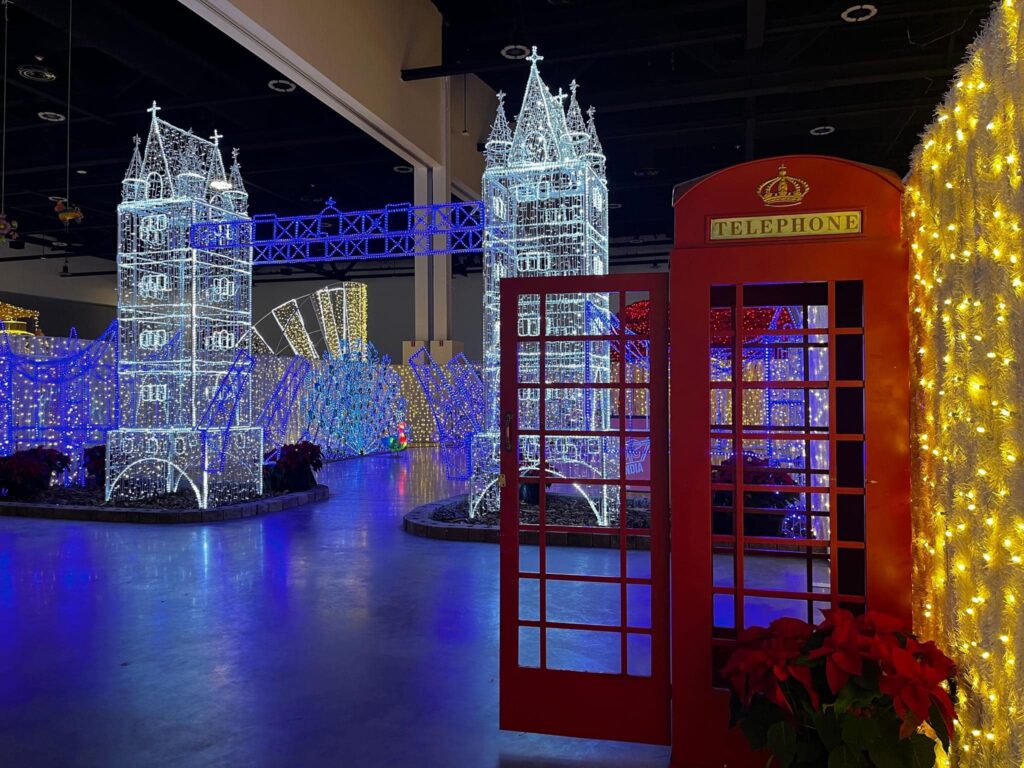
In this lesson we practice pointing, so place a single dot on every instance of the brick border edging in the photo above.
(153, 515)
(418, 523)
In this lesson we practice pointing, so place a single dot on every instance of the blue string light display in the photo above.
(637, 359)
(779, 358)
(276, 414)
(57, 393)
(355, 402)
(455, 395)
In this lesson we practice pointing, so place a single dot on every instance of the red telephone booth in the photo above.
(789, 416)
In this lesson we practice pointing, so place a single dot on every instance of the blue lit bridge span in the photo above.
(395, 231)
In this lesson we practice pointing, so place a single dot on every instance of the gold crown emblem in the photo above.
(784, 190)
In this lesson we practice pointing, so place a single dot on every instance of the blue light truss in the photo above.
(394, 231)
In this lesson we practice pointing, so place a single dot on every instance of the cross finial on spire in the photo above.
(234, 155)
(154, 109)
(560, 96)
(591, 111)
(534, 57)
(137, 139)
(217, 136)
(573, 86)
(501, 98)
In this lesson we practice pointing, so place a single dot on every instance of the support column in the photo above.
(432, 281)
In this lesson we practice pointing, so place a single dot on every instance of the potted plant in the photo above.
(294, 467)
(849, 692)
(25, 474)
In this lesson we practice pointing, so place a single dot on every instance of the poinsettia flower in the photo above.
(843, 648)
(915, 684)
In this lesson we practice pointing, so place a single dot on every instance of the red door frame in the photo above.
(878, 258)
(576, 703)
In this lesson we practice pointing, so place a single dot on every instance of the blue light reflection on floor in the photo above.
(318, 636)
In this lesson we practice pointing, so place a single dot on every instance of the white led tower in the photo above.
(183, 322)
(546, 198)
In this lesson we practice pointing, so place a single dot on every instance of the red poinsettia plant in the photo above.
(292, 467)
(851, 691)
(29, 472)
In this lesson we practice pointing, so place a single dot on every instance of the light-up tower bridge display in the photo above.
(544, 213)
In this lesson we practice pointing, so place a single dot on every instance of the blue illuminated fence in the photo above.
(394, 231)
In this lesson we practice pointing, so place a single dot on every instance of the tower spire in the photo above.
(500, 139)
(578, 134)
(595, 152)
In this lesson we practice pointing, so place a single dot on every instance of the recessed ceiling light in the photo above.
(645, 173)
(36, 73)
(858, 13)
(515, 52)
(402, 168)
(281, 86)
(55, 199)
(81, 171)
(51, 117)
(614, 206)
(822, 130)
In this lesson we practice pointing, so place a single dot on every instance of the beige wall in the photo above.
(350, 53)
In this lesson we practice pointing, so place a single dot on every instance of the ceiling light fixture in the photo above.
(855, 14)
(37, 74)
(822, 130)
(220, 185)
(59, 244)
(614, 206)
(51, 117)
(281, 86)
(81, 171)
(515, 52)
(402, 168)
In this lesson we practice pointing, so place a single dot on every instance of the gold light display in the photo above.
(962, 217)
(342, 312)
(15, 319)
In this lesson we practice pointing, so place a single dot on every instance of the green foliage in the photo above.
(782, 743)
(852, 692)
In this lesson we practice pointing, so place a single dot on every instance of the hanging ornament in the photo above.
(8, 229)
(68, 213)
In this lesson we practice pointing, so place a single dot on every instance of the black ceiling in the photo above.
(686, 87)
(681, 88)
(295, 151)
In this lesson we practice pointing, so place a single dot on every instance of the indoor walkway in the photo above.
(324, 635)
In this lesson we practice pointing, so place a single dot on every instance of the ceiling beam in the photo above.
(756, 11)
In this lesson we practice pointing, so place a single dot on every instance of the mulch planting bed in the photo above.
(449, 519)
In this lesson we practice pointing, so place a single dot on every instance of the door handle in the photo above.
(508, 431)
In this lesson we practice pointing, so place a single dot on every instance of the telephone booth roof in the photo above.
(775, 187)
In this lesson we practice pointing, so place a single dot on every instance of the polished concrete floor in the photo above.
(317, 636)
